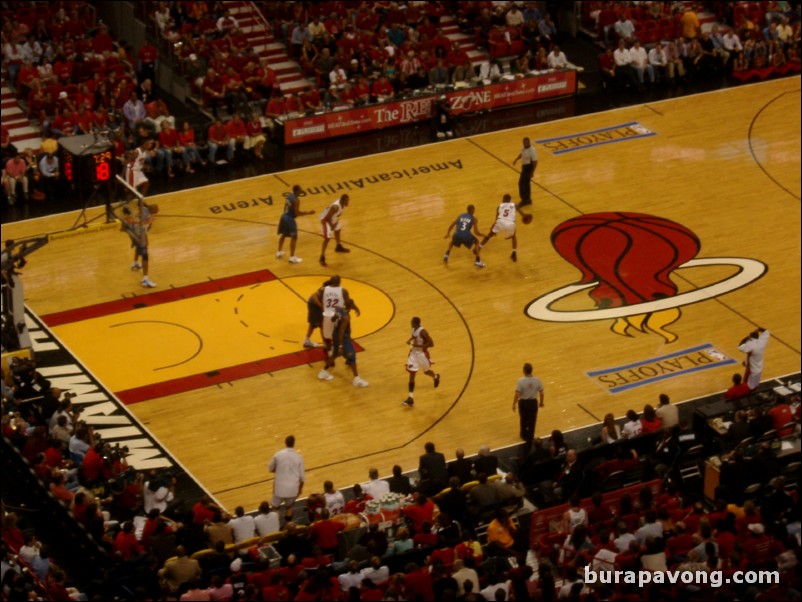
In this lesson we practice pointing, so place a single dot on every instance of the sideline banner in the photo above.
(411, 110)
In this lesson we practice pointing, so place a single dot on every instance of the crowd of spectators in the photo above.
(462, 533)
(355, 53)
(74, 77)
(760, 39)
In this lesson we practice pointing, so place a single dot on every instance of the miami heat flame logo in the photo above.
(626, 260)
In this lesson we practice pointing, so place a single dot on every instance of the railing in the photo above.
(260, 17)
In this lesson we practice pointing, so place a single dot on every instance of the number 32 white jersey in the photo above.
(333, 299)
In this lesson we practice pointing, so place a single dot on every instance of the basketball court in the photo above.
(662, 235)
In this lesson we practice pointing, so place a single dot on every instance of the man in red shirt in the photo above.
(237, 131)
(678, 546)
(418, 583)
(84, 120)
(357, 504)
(275, 109)
(126, 543)
(419, 512)
(267, 84)
(14, 175)
(607, 67)
(100, 118)
(324, 533)
(738, 388)
(235, 95)
(758, 548)
(218, 136)
(93, 464)
(311, 100)
(168, 143)
(203, 511)
(213, 90)
(102, 42)
(27, 77)
(382, 89)
(148, 58)
(780, 416)
(294, 104)
(63, 70)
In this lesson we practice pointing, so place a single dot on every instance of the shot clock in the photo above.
(87, 161)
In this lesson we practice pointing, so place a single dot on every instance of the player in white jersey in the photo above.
(333, 298)
(418, 360)
(330, 225)
(505, 224)
(135, 167)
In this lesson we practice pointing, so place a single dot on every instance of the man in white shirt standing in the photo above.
(754, 346)
(288, 466)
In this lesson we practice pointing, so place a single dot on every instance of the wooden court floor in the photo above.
(721, 169)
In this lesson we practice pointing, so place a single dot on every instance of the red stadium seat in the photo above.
(649, 33)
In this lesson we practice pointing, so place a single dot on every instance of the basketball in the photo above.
(527, 219)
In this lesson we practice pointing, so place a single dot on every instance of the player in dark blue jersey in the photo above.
(342, 345)
(287, 228)
(467, 231)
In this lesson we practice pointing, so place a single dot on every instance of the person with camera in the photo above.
(82, 440)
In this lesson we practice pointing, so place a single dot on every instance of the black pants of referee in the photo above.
(527, 411)
(525, 184)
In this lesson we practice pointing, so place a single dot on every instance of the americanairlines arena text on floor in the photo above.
(711, 578)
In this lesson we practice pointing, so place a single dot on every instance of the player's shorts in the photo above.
(287, 226)
(327, 326)
(418, 360)
(314, 314)
(327, 230)
(142, 251)
(461, 240)
(135, 178)
(505, 228)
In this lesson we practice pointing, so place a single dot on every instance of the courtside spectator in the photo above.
(218, 136)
